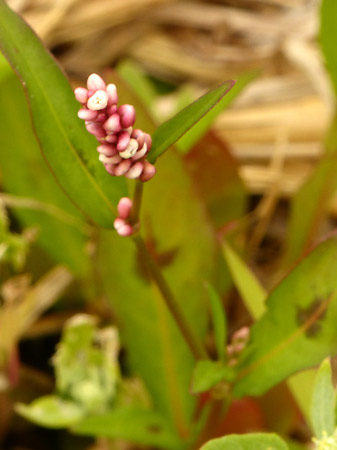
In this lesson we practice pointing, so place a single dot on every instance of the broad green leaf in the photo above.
(174, 228)
(51, 412)
(189, 139)
(328, 37)
(299, 323)
(68, 148)
(256, 441)
(219, 322)
(323, 402)
(170, 131)
(136, 425)
(215, 175)
(250, 289)
(24, 173)
(254, 295)
(209, 373)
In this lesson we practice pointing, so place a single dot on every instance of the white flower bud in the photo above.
(98, 100)
(130, 150)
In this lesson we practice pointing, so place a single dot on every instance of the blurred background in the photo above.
(274, 127)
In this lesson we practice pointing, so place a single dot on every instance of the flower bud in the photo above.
(124, 207)
(130, 150)
(112, 94)
(115, 159)
(95, 82)
(81, 95)
(112, 125)
(98, 101)
(87, 114)
(135, 171)
(95, 128)
(140, 153)
(107, 149)
(123, 141)
(122, 167)
(128, 115)
(148, 172)
(123, 229)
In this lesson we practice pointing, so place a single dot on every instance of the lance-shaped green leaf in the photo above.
(68, 148)
(323, 402)
(256, 441)
(170, 131)
(328, 36)
(38, 200)
(219, 322)
(209, 373)
(298, 329)
(133, 424)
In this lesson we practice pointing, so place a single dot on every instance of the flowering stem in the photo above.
(197, 350)
(137, 201)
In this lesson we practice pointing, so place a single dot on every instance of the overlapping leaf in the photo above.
(298, 329)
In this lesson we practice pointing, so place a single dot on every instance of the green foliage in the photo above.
(169, 132)
(134, 424)
(24, 173)
(66, 144)
(251, 291)
(323, 402)
(298, 330)
(258, 441)
(219, 322)
(87, 373)
(328, 37)
(209, 373)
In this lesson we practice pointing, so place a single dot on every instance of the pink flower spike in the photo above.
(135, 171)
(123, 141)
(123, 167)
(124, 207)
(98, 101)
(148, 172)
(107, 149)
(123, 228)
(128, 115)
(95, 82)
(87, 114)
(112, 125)
(112, 94)
(130, 150)
(96, 129)
(81, 95)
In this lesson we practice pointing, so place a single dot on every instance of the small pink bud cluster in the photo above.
(238, 343)
(123, 149)
(122, 222)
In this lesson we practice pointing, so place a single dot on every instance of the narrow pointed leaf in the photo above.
(169, 132)
(219, 322)
(68, 148)
(209, 373)
(252, 292)
(323, 402)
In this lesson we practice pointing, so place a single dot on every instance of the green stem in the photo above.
(197, 350)
(137, 202)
